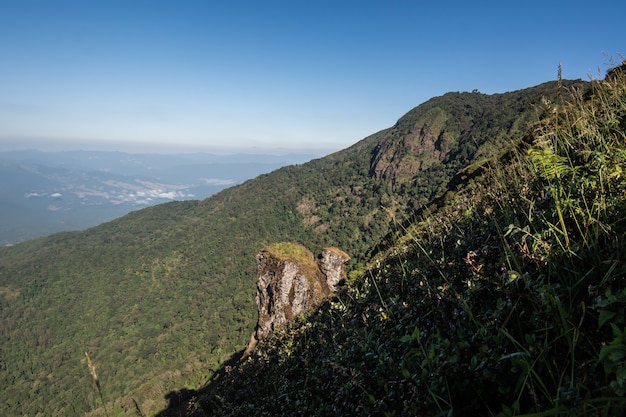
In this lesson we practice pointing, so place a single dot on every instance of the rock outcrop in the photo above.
(414, 144)
(332, 263)
(292, 282)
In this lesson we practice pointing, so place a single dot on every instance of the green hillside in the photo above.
(161, 297)
(508, 298)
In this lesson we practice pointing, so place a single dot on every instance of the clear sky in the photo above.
(270, 75)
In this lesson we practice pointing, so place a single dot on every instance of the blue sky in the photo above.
(275, 76)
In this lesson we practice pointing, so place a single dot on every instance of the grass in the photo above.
(290, 251)
(563, 200)
(287, 251)
(96, 380)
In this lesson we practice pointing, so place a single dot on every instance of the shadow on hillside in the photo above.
(183, 402)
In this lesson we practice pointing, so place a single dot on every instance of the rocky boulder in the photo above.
(332, 263)
(291, 282)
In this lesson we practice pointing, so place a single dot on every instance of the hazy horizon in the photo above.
(44, 145)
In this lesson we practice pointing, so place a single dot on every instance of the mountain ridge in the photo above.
(117, 281)
(507, 299)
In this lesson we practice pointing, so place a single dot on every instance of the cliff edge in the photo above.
(291, 281)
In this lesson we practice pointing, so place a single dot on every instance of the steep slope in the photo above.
(161, 297)
(449, 132)
(507, 300)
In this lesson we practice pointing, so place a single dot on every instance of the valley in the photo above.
(47, 192)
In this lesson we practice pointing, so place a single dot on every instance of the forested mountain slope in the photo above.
(508, 299)
(162, 296)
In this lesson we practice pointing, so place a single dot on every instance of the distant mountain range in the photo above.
(47, 192)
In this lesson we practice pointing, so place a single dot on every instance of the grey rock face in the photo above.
(283, 292)
(291, 282)
(332, 263)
